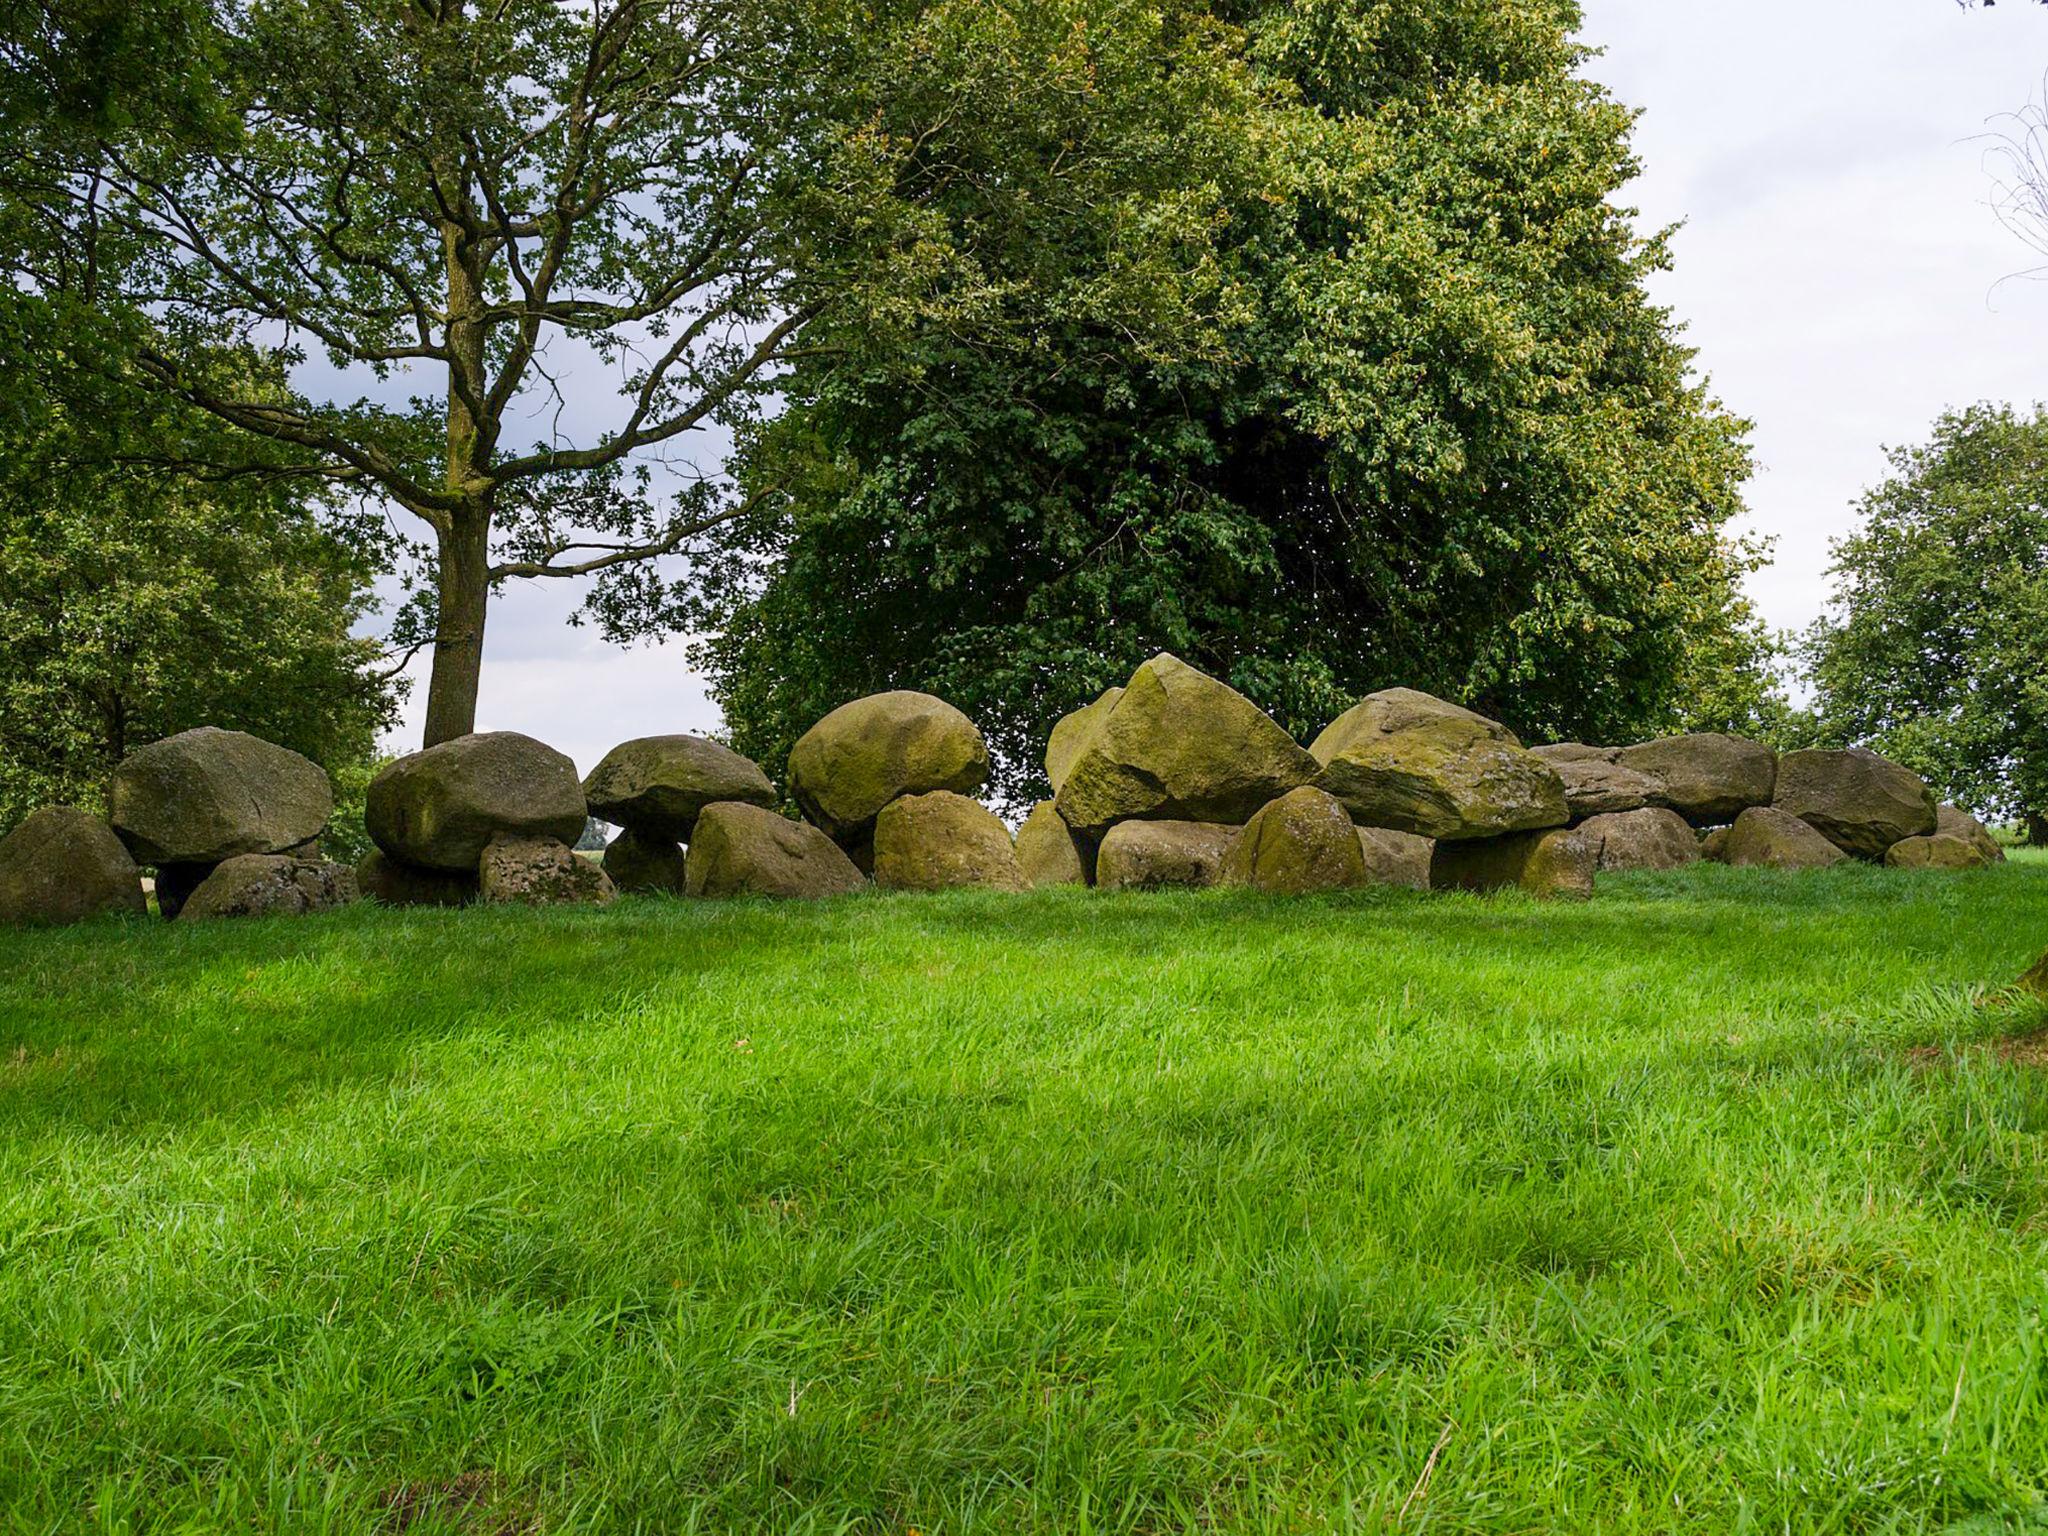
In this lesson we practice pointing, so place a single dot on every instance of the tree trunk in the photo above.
(465, 590)
(2037, 830)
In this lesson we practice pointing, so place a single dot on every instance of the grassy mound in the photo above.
(1696, 1207)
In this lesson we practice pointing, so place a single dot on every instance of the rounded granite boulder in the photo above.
(440, 808)
(1857, 800)
(942, 841)
(1766, 838)
(1177, 745)
(206, 795)
(1049, 852)
(658, 785)
(1938, 851)
(62, 865)
(1409, 761)
(745, 850)
(844, 769)
(1652, 838)
(1951, 821)
(270, 885)
(1708, 778)
(540, 872)
(1300, 843)
(1149, 855)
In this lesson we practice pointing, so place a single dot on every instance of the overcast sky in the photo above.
(1838, 272)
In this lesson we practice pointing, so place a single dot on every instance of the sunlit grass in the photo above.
(1690, 1208)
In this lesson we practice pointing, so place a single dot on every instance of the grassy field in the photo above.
(1706, 1206)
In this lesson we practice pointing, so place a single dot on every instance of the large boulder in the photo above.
(206, 795)
(270, 885)
(384, 880)
(744, 850)
(1860, 802)
(657, 785)
(1049, 853)
(1940, 851)
(1409, 761)
(540, 872)
(1595, 783)
(942, 841)
(1144, 855)
(64, 866)
(1396, 858)
(1072, 735)
(1950, 821)
(1764, 837)
(1708, 778)
(439, 809)
(1179, 746)
(1647, 839)
(857, 759)
(636, 862)
(1302, 842)
(1554, 863)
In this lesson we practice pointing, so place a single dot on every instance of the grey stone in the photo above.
(1406, 760)
(1301, 843)
(439, 809)
(1860, 802)
(745, 850)
(62, 865)
(1396, 858)
(1764, 837)
(1049, 852)
(540, 872)
(270, 885)
(1708, 778)
(657, 785)
(1145, 855)
(941, 841)
(647, 864)
(1653, 838)
(206, 795)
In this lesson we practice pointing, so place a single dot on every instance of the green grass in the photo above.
(1693, 1208)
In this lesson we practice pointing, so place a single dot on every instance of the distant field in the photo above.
(1704, 1206)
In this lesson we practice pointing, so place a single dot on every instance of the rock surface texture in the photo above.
(1766, 838)
(647, 864)
(1302, 842)
(1647, 839)
(1709, 778)
(1406, 760)
(439, 809)
(1145, 855)
(540, 872)
(844, 769)
(62, 865)
(1553, 864)
(1049, 852)
(1860, 802)
(1179, 746)
(1595, 783)
(1396, 858)
(1939, 851)
(1072, 735)
(1952, 822)
(206, 795)
(270, 885)
(658, 785)
(942, 841)
(743, 850)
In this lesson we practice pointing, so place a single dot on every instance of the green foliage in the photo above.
(136, 602)
(1699, 1207)
(1937, 650)
(1420, 424)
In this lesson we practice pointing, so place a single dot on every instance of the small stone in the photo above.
(270, 885)
(942, 841)
(1049, 852)
(646, 864)
(540, 872)
(1300, 843)
(1766, 838)
(1146, 855)
(62, 865)
(1937, 852)
(1950, 821)
(1648, 839)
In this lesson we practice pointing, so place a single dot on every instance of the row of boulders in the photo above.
(1174, 779)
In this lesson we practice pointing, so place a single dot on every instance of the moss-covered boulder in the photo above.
(1708, 778)
(270, 885)
(1150, 855)
(744, 850)
(1179, 746)
(1652, 838)
(942, 842)
(386, 881)
(844, 769)
(1939, 851)
(636, 862)
(1396, 858)
(657, 785)
(1049, 852)
(439, 809)
(1554, 864)
(1952, 821)
(1860, 802)
(62, 865)
(540, 872)
(1406, 760)
(2036, 980)
(1073, 733)
(1595, 782)
(206, 795)
(1300, 843)
(1766, 838)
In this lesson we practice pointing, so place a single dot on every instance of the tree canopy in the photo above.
(1429, 431)
(1936, 652)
